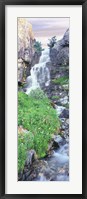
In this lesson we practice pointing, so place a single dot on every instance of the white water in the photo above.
(58, 160)
(40, 73)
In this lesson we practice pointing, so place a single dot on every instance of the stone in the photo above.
(64, 100)
(59, 109)
(64, 114)
(20, 175)
(27, 174)
(58, 139)
(31, 156)
(59, 54)
(23, 177)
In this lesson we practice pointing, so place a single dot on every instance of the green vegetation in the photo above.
(38, 46)
(61, 80)
(35, 114)
(25, 142)
(55, 97)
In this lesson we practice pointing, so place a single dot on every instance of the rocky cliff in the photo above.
(59, 53)
(27, 54)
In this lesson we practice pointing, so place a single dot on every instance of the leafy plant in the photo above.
(38, 46)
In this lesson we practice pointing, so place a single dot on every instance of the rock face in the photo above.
(59, 54)
(26, 51)
(25, 40)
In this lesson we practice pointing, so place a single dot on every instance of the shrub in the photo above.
(37, 94)
(38, 46)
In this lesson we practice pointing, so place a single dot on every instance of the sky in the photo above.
(46, 28)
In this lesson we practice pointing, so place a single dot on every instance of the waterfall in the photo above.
(40, 73)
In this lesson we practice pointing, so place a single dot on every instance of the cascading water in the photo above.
(40, 73)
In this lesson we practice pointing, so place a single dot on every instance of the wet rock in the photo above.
(59, 109)
(64, 100)
(66, 86)
(62, 177)
(64, 114)
(20, 175)
(31, 177)
(58, 140)
(23, 177)
(27, 174)
(31, 156)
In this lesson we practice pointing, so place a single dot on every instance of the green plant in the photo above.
(25, 142)
(38, 46)
(36, 114)
(55, 97)
(61, 80)
(38, 94)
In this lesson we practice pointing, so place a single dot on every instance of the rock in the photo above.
(64, 100)
(20, 70)
(64, 114)
(25, 39)
(59, 54)
(31, 156)
(27, 174)
(66, 86)
(31, 176)
(65, 40)
(20, 175)
(58, 140)
(59, 109)
(23, 177)
(26, 51)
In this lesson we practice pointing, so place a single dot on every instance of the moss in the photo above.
(55, 97)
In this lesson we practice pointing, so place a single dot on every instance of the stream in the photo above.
(55, 167)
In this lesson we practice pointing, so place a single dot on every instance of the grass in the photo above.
(61, 80)
(35, 114)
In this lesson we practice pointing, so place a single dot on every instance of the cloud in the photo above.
(48, 27)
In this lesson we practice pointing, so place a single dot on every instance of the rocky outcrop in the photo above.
(25, 40)
(59, 54)
(27, 54)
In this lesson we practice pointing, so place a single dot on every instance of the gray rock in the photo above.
(31, 155)
(59, 109)
(59, 54)
(64, 100)
(64, 114)
(58, 139)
